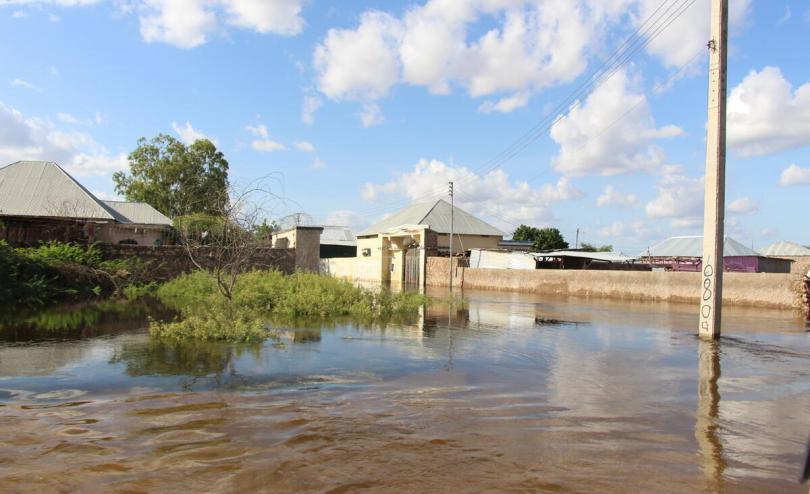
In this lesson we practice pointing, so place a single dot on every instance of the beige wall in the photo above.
(306, 240)
(467, 242)
(351, 268)
(782, 291)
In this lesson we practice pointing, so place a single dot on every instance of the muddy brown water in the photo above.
(512, 393)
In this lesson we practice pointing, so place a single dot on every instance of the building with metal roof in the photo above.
(785, 249)
(40, 201)
(799, 254)
(338, 241)
(685, 253)
(435, 216)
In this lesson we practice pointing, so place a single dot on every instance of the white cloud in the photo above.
(267, 145)
(18, 14)
(742, 205)
(318, 164)
(54, 70)
(680, 198)
(611, 197)
(371, 115)
(266, 16)
(311, 105)
(610, 133)
(360, 64)
(493, 195)
(189, 134)
(182, 23)
(258, 130)
(305, 146)
(786, 17)
(688, 33)
(23, 84)
(534, 44)
(35, 138)
(765, 115)
(264, 144)
(106, 196)
(189, 23)
(67, 118)
(345, 217)
(794, 175)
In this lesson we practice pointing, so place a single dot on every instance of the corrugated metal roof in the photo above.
(43, 188)
(596, 256)
(337, 235)
(138, 212)
(790, 249)
(436, 216)
(692, 246)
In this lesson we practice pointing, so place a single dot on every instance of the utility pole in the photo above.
(711, 288)
(576, 243)
(450, 259)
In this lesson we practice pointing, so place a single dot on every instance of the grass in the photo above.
(263, 296)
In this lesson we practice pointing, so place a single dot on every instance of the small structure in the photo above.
(395, 249)
(685, 254)
(39, 201)
(338, 241)
(501, 259)
(306, 241)
(516, 245)
(578, 259)
(799, 254)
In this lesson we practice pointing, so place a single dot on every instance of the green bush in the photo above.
(58, 271)
(260, 296)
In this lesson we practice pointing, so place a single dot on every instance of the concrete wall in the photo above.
(112, 233)
(170, 261)
(351, 268)
(306, 241)
(782, 291)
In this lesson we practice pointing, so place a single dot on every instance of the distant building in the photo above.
(686, 254)
(395, 249)
(516, 245)
(39, 201)
(799, 254)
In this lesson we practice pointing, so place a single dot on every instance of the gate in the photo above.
(412, 266)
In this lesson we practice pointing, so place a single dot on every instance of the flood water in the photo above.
(512, 393)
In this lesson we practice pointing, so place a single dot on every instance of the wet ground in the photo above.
(512, 393)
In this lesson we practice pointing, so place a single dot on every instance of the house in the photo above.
(799, 254)
(40, 201)
(396, 248)
(686, 254)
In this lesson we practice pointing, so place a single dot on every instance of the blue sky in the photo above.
(356, 108)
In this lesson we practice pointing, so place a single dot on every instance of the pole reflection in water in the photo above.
(706, 426)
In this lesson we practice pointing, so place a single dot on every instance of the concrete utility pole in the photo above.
(711, 289)
(450, 259)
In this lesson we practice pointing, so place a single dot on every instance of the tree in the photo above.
(586, 247)
(542, 238)
(175, 179)
(526, 233)
(548, 239)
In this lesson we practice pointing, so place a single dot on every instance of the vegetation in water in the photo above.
(62, 271)
(263, 296)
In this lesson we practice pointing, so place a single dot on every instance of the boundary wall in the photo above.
(779, 291)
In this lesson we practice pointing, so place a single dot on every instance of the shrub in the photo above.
(260, 296)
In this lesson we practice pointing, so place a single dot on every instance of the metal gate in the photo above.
(412, 266)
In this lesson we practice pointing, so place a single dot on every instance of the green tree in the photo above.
(174, 178)
(548, 239)
(542, 238)
(525, 233)
(585, 246)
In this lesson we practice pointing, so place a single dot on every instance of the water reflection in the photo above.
(512, 393)
(706, 426)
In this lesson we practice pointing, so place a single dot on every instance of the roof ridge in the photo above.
(112, 214)
(431, 209)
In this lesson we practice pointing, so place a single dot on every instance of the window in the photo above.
(366, 252)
